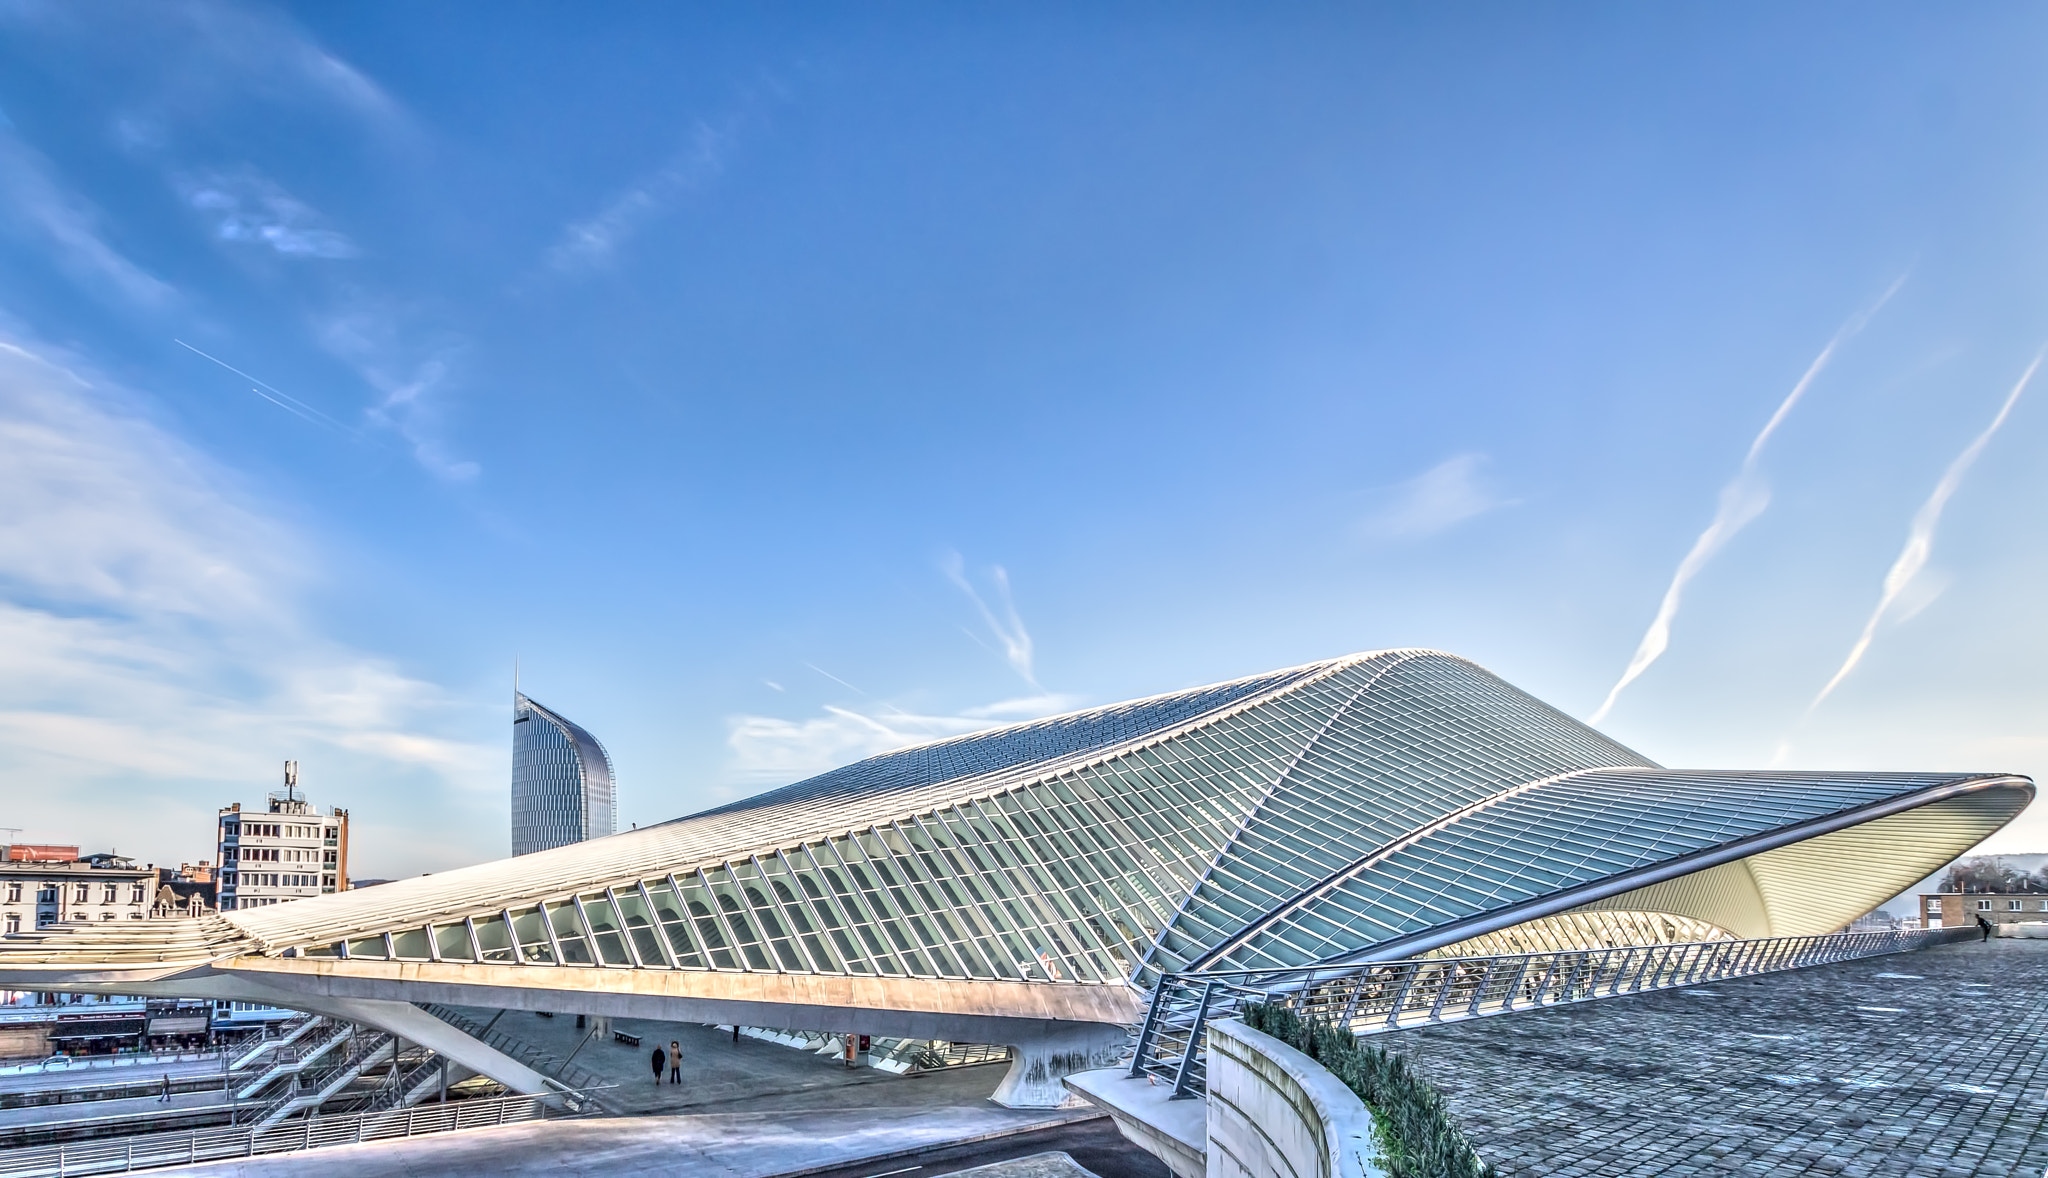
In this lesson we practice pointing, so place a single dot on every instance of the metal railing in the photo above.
(1395, 995)
(309, 1090)
(119, 1059)
(116, 1090)
(120, 1155)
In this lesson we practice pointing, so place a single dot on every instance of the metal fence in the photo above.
(119, 1155)
(1394, 995)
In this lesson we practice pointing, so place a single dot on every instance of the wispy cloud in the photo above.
(185, 59)
(68, 225)
(1742, 500)
(1920, 536)
(247, 208)
(151, 635)
(1005, 626)
(412, 382)
(594, 242)
(773, 750)
(1436, 500)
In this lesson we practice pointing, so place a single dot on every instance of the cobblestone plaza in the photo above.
(1927, 1063)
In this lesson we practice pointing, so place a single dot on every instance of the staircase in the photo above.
(367, 1048)
(309, 1045)
(296, 1029)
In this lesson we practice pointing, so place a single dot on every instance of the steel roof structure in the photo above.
(1371, 807)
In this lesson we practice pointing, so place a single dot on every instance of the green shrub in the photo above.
(1413, 1128)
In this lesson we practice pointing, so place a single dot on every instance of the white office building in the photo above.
(287, 851)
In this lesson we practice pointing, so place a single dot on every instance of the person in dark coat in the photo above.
(1986, 926)
(660, 1059)
(675, 1062)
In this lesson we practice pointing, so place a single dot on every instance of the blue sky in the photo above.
(779, 384)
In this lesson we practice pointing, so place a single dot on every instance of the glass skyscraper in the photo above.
(561, 781)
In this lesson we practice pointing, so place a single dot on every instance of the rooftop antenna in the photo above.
(291, 779)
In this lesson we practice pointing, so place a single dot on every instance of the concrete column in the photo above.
(403, 1019)
(1038, 1064)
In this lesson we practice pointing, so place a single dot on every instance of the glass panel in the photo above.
(533, 936)
(491, 934)
(569, 934)
(796, 908)
(714, 940)
(634, 909)
(604, 928)
(682, 946)
(371, 947)
(675, 925)
(453, 942)
(666, 907)
(411, 944)
(748, 945)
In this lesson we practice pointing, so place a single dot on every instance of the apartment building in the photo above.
(37, 894)
(286, 851)
(1950, 909)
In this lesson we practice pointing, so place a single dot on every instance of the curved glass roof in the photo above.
(1315, 813)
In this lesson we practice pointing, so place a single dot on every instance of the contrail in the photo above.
(1008, 629)
(1920, 537)
(1742, 500)
(274, 395)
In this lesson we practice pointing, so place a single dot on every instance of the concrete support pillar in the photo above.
(1038, 1064)
(404, 1020)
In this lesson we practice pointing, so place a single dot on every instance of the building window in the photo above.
(2012, 905)
(13, 922)
(135, 895)
(135, 916)
(106, 916)
(84, 893)
(1934, 905)
(113, 893)
(1983, 905)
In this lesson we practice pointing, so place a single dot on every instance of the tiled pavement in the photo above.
(1925, 1063)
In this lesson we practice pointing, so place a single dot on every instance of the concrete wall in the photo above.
(25, 1040)
(1276, 1113)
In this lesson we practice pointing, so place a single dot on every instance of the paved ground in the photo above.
(719, 1145)
(1038, 1165)
(1081, 1149)
(79, 1076)
(1928, 1063)
(143, 1106)
(752, 1074)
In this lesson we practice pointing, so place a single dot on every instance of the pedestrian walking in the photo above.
(1986, 926)
(660, 1058)
(167, 1089)
(675, 1062)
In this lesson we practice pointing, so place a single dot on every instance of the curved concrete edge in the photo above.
(1276, 1113)
(1174, 1131)
(1051, 1030)
(1271, 1112)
